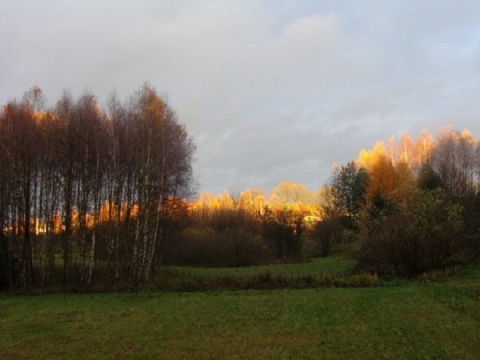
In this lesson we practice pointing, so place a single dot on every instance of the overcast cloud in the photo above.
(269, 90)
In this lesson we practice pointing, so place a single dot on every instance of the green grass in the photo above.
(404, 322)
(415, 320)
(334, 271)
(335, 264)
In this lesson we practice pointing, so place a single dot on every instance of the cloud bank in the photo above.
(269, 90)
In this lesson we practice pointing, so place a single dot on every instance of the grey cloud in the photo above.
(270, 91)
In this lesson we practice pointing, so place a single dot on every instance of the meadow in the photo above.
(420, 319)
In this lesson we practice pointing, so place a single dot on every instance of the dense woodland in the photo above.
(93, 197)
(83, 189)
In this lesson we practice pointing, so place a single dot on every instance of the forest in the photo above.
(93, 197)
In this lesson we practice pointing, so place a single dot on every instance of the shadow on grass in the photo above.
(265, 281)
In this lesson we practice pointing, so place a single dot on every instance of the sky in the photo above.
(270, 90)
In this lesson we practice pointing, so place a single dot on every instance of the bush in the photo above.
(327, 233)
(231, 247)
(418, 236)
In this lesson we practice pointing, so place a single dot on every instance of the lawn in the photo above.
(439, 320)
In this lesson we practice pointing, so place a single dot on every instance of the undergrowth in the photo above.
(264, 281)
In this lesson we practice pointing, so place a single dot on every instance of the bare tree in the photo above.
(20, 163)
(91, 186)
(453, 158)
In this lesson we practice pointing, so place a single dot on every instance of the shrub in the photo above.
(231, 247)
(417, 237)
(327, 233)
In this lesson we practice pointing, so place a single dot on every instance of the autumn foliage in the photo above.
(93, 198)
(419, 203)
(89, 195)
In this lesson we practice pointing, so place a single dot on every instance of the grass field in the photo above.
(416, 320)
(322, 272)
(333, 264)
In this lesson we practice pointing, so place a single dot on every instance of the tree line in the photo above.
(94, 198)
(101, 198)
(82, 190)
(409, 206)
(401, 208)
(246, 229)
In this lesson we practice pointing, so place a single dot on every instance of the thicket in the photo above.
(410, 209)
(236, 237)
(402, 209)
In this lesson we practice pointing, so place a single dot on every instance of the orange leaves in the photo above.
(285, 196)
(367, 158)
(381, 171)
(382, 177)
(392, 170)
